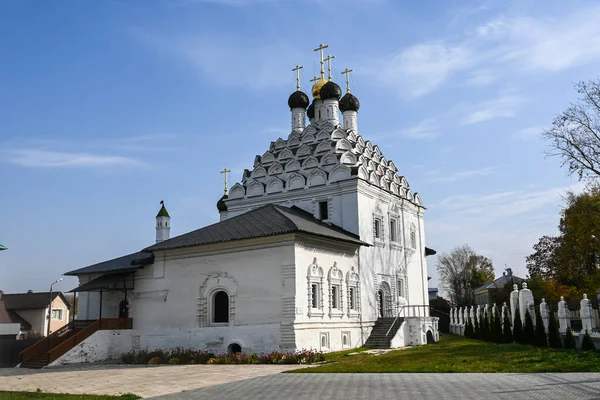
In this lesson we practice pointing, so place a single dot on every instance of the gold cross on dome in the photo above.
(225, 172)
(328, 59)
(320, 49)
(347, 73)
(297, 70)
(314, 79)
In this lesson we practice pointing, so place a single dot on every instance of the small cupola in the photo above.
(330, 91)
(349, 103)
(163, 223)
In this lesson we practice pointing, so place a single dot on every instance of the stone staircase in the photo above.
(378, 338)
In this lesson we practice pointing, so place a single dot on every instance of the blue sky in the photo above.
(108, 107)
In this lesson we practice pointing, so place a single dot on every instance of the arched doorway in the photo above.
(221, 307)
(430, 339)
(384, 301)
(234, 348)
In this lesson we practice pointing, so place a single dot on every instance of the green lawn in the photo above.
(48, 396)
(458, 354)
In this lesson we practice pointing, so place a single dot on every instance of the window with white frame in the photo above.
(393, 230)
(353, 287)
(378, 228)
(400, 287)
(335, 278)
(315, 289)
(57, 314)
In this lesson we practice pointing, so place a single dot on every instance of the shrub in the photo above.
(554, 339)
(528, 330)
(154, 361)
(485, 329)
(476, 330)
(570, 342)
(497, 333)
(468, 328)
(518, 327)
(587, 344)
(507, 336)
(541, 339)
(174, 360)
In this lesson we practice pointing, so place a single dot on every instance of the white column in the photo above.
(545, 313)
(298, 118)
(564, 320)
(350, 120)
(587, 319)
(331, 111)
(514, 302)
(525, 303)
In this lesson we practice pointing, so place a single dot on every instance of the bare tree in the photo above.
(463, 270)
(575, 134)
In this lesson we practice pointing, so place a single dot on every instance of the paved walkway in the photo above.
(406, 387)
(145, 381)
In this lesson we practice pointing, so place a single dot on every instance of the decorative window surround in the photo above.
(413, 236)
(215, 282)
(346, 343)
(315, 277)
(324, 340)
(335, 278)
(352, 282)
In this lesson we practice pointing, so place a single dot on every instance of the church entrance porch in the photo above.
(384, 301)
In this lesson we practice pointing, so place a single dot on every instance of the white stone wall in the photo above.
(100, 346)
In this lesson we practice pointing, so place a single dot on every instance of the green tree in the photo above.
(570, 342)
(468, 328)
(518, 327)
(476, 328)
(587, 344)
(542, 262)
(554, 339)
(541, 339)
(507, 336)
(485, 328)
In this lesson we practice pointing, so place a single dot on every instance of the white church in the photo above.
(321, 245)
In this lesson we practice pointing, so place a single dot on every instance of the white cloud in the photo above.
(457, 176)
(504, 106)
(229, 61)
(426, 129)
(501, 47)
(528, 133)
(51, 159)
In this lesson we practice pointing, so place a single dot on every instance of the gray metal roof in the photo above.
(501, 282)
(268, 220)
(128, 262)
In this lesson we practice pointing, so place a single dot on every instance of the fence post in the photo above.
(563, 315)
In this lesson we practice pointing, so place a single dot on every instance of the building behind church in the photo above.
(320, 245)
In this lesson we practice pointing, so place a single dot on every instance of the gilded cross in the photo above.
(321, 48)
(328, 59)
(297, 71)
(347, 73)
(314, 79)
(225, 172)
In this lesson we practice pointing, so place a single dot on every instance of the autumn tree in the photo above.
(461, 271)
(574, 135)
(542, 262)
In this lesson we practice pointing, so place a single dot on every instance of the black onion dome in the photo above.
(298, 99)
(221, 206)
(310, 112)
(349, 103)
(331, 90)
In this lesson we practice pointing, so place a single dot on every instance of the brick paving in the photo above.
(578, 386)
(145, 381)
(264, 382)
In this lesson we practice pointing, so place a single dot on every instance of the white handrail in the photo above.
(395, 319)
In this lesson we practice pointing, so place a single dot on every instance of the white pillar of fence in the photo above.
(504, 311)
(586, 313)
(525, 303)
(514, 302)
(564, 321)
(472, 314)
(545, 313)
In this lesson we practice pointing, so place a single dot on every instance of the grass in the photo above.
(458, 354)
(59, 396)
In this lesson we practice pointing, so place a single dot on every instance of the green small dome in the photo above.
(163, 211)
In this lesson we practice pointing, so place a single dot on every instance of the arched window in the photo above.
(221, 307)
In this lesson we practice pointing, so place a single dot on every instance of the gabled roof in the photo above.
(268, 220)
(501, 282)
(129, 262)
(30, 301)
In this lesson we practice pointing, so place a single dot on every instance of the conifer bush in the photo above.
(570, 342)
(554, 339)
(518, 327)
(528, 329)
(507, 336)
(485, 328)
(587, 344)
(476, 329)
(497, 326)
(541, 339)
(468, 329)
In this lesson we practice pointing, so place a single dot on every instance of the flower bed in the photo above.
(180, 356)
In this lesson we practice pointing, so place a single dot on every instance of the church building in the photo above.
(320, 245)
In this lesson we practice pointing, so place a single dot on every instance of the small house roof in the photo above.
(30, 301)
(501, 282)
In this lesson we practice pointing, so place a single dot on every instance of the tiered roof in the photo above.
(319, 154)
